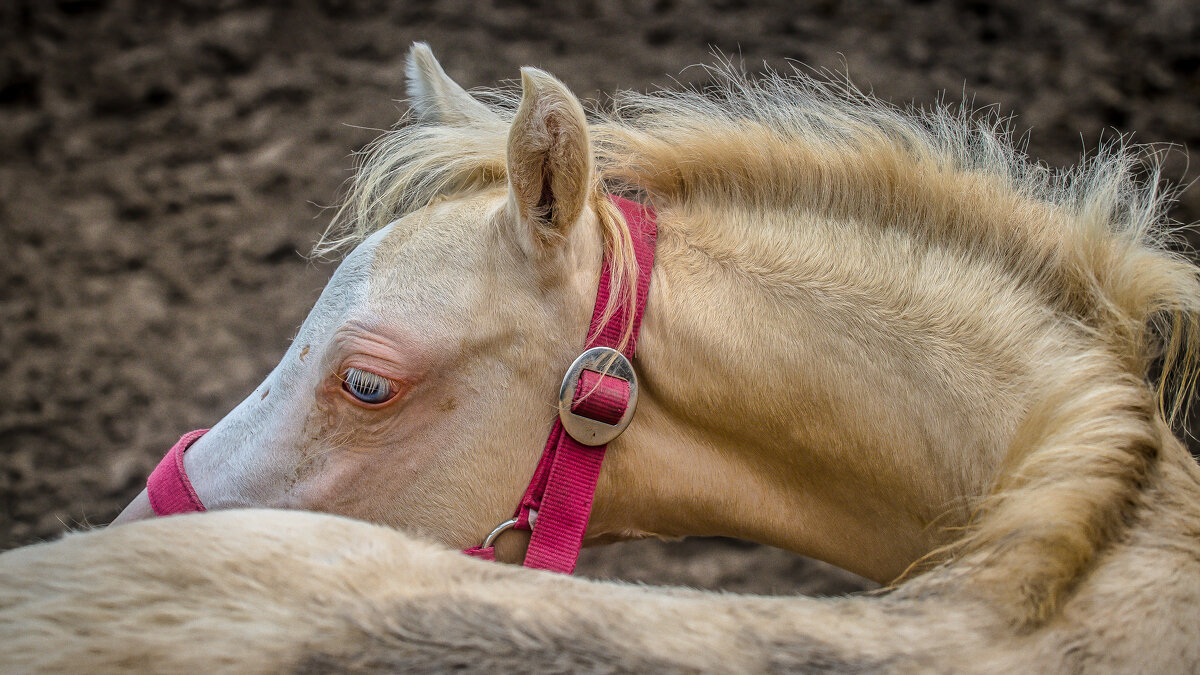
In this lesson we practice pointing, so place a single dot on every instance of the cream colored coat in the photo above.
(882, 339)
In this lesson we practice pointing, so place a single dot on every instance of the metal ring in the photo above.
(500, 529)
(586, 430)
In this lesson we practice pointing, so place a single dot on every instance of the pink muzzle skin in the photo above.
(168, 487)
(558, 502)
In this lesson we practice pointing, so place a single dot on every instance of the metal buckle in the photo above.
(586, 430)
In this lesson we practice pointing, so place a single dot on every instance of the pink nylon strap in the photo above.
(564, 484)
(168, 487)
(600, 397)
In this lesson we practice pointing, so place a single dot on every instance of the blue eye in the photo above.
(366, 386)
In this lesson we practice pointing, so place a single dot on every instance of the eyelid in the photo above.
(361, 376)
(355, 380)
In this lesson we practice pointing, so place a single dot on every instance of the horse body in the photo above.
(273, 591)
(878, 339)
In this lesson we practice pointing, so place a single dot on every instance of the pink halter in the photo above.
(596, 404)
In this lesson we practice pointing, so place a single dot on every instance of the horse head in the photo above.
(419, 390)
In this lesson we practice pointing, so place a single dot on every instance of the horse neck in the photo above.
(794, 394)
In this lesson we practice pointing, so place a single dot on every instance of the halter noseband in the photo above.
(595, 404)
(168, 486)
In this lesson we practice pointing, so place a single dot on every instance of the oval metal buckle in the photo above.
(586, 430)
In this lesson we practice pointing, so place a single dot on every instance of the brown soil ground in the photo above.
(163, 167)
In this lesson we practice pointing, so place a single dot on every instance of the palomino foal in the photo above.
(877, 338)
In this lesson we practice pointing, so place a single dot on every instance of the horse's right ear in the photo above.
(550, 167)
(435, 97)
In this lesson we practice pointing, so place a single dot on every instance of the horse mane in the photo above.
(1095, 234)
(1092, 241)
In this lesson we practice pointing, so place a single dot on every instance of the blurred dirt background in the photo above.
(163, 166)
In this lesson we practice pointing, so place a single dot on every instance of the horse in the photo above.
(880, 338)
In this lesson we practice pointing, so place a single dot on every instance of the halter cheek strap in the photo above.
(596, 403)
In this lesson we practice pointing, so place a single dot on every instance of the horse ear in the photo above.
(435, 97)
(549, 156)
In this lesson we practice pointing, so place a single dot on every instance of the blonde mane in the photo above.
(1095, 235)
(1091, 242)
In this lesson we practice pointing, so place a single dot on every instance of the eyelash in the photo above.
(367, 387)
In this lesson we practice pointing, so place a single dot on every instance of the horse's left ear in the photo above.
(435, 97)
(549, 156)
